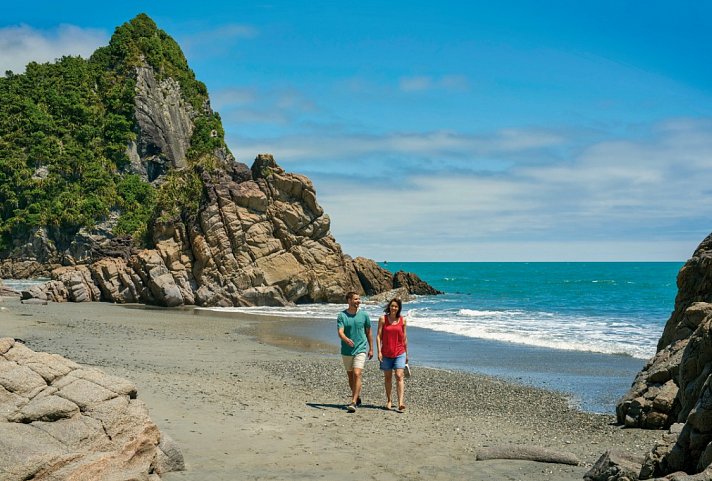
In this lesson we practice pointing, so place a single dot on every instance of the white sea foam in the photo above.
(22, 284)
(533, 328)
(542, 329)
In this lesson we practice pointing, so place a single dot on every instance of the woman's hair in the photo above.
(397, 300)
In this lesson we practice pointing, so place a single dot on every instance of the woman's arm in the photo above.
(379, 334)
(405, 341)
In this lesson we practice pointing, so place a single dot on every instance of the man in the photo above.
(354, 329)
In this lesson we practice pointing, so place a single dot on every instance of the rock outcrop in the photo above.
(165, 125)
(260, 238)
(62, 421)
(667, 388)
(7, 292)
(674, 389)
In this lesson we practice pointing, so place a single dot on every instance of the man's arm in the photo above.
(370, 342)
(345, 339)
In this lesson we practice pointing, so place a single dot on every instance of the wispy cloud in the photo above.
(646, 192)
(22, 44)
(328, 145)
(421, 83)
(247, 105)
(216, 40)
(230, 98)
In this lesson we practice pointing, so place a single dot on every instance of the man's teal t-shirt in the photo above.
(355, 329)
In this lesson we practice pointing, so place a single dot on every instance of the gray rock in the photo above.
(170, 458)
(373, 277)
(164, 120)
(413, 283)
(73, 422)
(614, 466)
(673, 361)
(674, 388)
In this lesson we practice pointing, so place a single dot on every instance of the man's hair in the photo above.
(350, 295)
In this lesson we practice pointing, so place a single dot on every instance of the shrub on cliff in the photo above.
(64, 131)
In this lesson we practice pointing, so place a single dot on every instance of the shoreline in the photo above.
(246, 401)
(592, 381)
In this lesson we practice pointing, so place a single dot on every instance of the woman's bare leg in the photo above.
(388, 381)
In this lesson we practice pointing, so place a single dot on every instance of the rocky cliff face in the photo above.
(667, 388)
(674, 389)
(260, 238)
(165, 125)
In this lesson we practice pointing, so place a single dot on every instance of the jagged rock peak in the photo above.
(264, 166)
(262, 240)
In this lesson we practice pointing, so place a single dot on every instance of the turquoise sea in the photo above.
(585, 329)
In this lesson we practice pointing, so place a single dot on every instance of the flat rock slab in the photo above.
(62, 421)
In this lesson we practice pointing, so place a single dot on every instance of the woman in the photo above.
(392, 345)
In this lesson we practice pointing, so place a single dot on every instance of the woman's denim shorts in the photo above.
(390, 363)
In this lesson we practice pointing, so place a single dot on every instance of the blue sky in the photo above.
(471, 131)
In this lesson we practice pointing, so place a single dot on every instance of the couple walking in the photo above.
(354, 328)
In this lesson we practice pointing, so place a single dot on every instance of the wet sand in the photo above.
(245, 400)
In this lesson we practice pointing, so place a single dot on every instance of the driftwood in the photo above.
(527, 453)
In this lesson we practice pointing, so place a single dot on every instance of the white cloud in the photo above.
(421, 83)
(217, 40)
(616, 200)
(232, 97)
(22, 44)
(329, 146)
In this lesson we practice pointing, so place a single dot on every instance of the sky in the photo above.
(450, 130)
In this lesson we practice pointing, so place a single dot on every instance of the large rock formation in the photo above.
(667, 388)
(260, 238)
(63, 421)
(674, 389)
(243, 236)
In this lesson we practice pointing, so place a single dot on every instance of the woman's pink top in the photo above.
(393, 338)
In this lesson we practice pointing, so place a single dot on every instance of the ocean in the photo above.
(584, 329)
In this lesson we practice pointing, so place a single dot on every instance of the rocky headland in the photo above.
(183, 222)
(260, 238)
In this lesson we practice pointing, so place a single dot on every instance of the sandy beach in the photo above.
(246, 401)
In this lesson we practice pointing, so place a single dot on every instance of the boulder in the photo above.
(373, 277)
(7, 292)
(614, 466)
(62, 421)
(54, 291)
(414, 284)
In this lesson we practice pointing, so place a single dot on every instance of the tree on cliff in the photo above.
(64, 131)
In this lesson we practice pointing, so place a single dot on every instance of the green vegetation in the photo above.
(64, 131)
